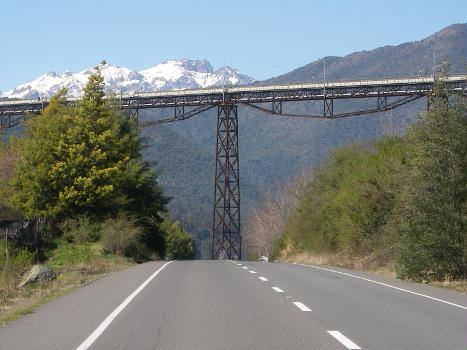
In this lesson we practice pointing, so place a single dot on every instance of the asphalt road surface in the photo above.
(244, 305)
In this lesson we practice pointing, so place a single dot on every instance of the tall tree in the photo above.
(433, 200)
(85, 159)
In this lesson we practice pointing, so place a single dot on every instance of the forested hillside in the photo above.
(274, 149)
(399, 202)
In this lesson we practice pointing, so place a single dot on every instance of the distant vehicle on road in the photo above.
(263, 258)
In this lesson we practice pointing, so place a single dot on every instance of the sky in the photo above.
(260, 38)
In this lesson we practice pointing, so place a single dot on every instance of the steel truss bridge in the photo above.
(226, 239)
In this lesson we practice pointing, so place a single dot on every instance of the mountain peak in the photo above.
(168, 75)
(201, 66)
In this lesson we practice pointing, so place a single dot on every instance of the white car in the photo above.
(263, 258)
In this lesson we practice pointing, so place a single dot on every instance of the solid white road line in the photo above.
(344, 340)
(301, 306)
(99, 330)
(389, 286)
(251, 271)
(277, 289)
(264, 279)
(244, 267)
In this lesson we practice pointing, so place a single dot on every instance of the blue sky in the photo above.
(260, 38)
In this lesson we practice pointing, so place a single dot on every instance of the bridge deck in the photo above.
(416, 83)
(277, 93)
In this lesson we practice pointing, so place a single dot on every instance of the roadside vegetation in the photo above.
(79, 169)
(396, 205)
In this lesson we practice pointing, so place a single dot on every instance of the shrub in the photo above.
(179, 243)
(69, 257)
(122, 236)
(12, 265)
(81, 230)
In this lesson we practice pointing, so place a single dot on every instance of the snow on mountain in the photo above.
(169, 75)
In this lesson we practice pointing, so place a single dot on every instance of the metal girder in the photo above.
(382, 103)
(179, 112)
(133, 114)
(267, 93)
(186, 115)
(328, 108)
(9, 121)
(277, 107)
(226, 240)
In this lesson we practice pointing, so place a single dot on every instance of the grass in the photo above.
(75, 265)
(458, 286)
(379, 265)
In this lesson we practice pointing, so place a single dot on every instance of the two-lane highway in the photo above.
(244, 305)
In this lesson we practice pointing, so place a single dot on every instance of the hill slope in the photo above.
(273, 149)
(405, 60)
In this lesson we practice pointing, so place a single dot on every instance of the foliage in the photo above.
(399, 200)
(266, 224)
(7, 171)
(84, 160)
(433, 200)
(122, 236)
(16, 257)
(70, 256)
(349, 201)
(84, 163)
(179, 243)
(81, 230)
(13, 263)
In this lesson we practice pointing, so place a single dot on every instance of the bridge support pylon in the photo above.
(226, 242)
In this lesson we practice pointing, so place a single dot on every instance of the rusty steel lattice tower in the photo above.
(226, 240)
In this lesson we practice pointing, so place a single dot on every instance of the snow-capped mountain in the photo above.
(169, 75)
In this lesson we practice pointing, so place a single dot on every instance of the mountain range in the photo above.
(169, 75)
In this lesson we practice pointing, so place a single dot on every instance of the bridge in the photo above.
(226, 237)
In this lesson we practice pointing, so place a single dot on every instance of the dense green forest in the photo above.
(399, 201)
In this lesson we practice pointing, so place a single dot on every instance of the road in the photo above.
(244, 305)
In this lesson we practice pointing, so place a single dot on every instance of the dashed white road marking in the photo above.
(264, 279)
(301, 306)
(251, 271)
(244, 267)
(239, 264)
(277, 289)
(344, 340)
(387, 285)
(101, 328)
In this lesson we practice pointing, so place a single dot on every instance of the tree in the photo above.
(179, 243)
(86, 160)
(433, 201)
(8, 160)
(268, 223)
